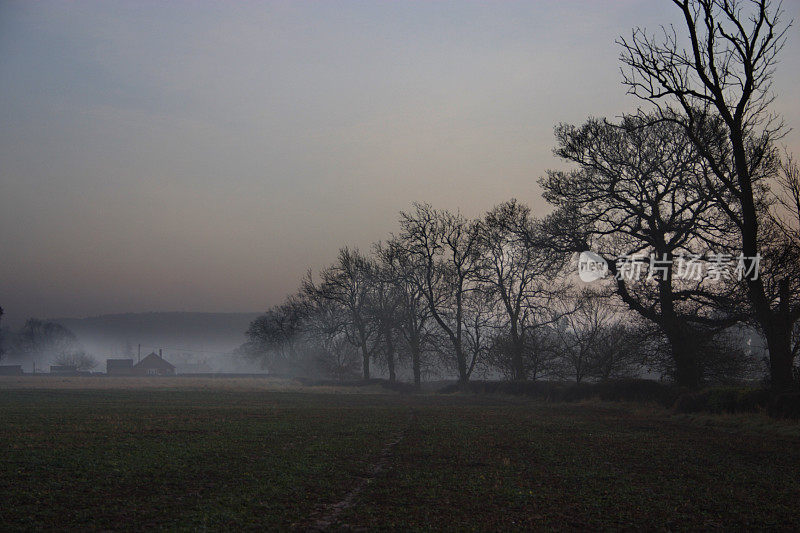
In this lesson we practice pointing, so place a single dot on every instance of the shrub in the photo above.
(638, 390)
(723, 400)
(633, 390)
(397, 386)
(785, 405)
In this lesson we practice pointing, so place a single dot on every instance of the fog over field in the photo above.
(193, 332)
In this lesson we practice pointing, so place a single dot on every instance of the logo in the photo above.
(591, 267)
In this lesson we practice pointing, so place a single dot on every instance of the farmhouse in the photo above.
(10, 370)
(153, 365)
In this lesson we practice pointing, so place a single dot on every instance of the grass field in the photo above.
(223, 458)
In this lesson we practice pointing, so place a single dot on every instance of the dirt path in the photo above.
(327, 519)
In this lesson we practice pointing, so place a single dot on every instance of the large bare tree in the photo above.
(639, 192)
(720, 68)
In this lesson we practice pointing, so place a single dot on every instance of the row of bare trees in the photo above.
(446, 296)
(696, 178)
(450, 296)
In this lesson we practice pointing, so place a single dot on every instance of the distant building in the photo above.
(153, 365)
(10, 370)
(64, 370)
(119, 367)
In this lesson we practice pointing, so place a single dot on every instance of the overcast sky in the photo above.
(202, 156)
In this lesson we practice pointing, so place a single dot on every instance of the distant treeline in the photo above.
(48, 343)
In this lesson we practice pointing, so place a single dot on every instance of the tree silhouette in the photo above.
(723, 73)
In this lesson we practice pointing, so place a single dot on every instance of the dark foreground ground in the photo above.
(222, 459)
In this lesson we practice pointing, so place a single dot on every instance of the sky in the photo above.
(202, 156)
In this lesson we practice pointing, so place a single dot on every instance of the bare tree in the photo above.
(386, 301)
(337, 357)
(275, 337)
(80, 361)
(347, 284)
(724, 73)
(638, 198)
(39, 338)
(520, 275)
(782, 270)
(412, 316)
(540, 354)
(618, 352)
(481, 320)
(579, 327)
(445, 246)
(326, 343)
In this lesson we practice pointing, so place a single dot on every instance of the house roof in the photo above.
(152, 360)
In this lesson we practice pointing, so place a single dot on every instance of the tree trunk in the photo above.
(365, 360)
(780, 363)
(415, 364)
(688, 372)
(773, 324)
(463, 376)
(682, 338)
(390, 357)
(517, 362)
(779, 344)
